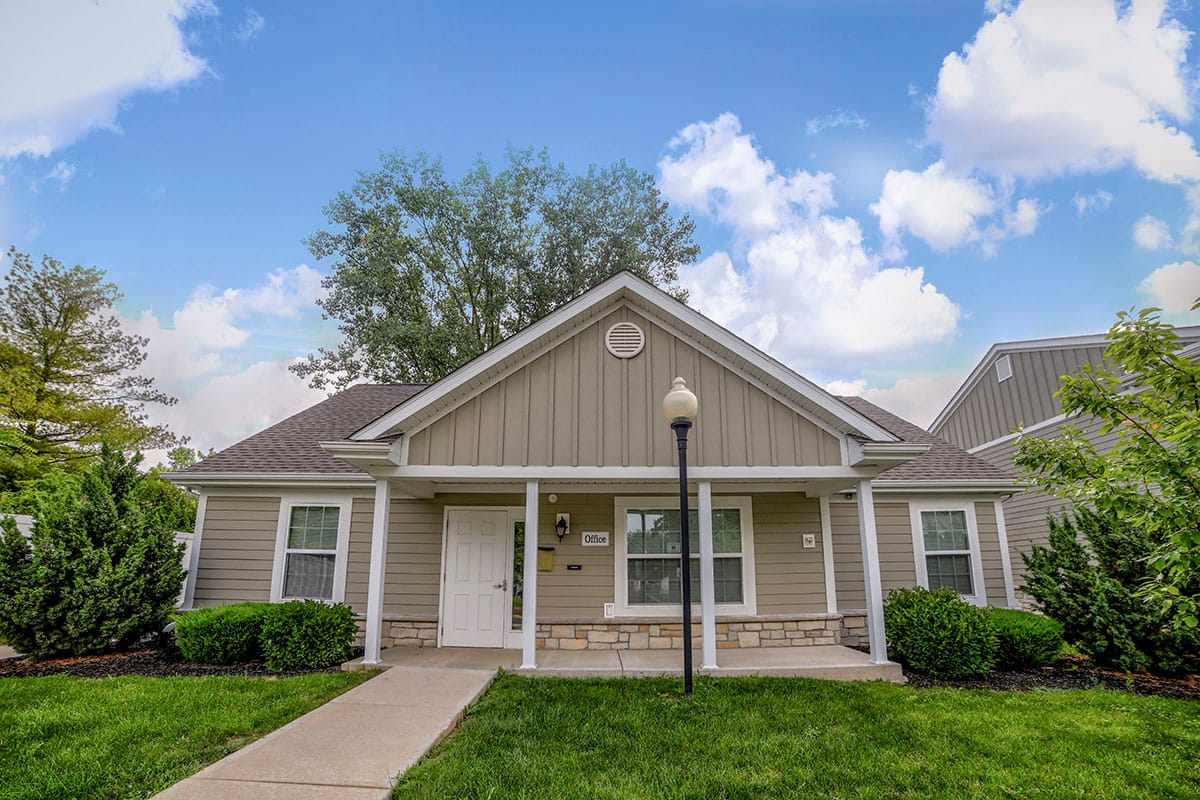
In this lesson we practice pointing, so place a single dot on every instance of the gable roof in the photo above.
(942, 462)
(1187, 333)
(292, 446)
(522, 347)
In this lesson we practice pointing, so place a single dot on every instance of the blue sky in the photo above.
(882, 189)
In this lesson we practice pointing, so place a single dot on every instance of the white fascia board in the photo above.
(947, 487)
(264, 479)
(618, 474)
(887, 454)
(622, 282)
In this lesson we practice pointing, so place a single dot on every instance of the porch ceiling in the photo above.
(814, 487)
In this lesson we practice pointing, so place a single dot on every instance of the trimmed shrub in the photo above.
(938, 633)
(1089, 578)
(307, 634)
(1025, 640)
(99, 573)
(222, 635)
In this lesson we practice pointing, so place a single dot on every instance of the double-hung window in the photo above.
(649, 543)
(310, 553)
(948, 549)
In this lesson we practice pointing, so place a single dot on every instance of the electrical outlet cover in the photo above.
(810, 540)
(610, 610)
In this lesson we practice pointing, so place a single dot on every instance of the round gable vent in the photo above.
(625, 340)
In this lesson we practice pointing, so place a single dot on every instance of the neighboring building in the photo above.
(1013, 386)
(530, 499)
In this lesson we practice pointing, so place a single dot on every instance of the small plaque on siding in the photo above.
(595, 538)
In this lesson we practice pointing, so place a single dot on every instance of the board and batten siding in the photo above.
(237, 550)
(579, 405)
(993, 408)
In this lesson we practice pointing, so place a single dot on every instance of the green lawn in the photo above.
(63, 737)
(780, 738)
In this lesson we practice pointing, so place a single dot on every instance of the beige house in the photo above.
(529, 500)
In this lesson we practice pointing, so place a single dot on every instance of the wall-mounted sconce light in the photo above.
(561, 525)
(848, 495)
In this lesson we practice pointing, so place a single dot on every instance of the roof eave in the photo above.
(996, 487)
(208, 480)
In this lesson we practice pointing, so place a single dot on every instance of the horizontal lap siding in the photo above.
(571, 594)
(989, 554)
(414, 559)
(790, 578)
(358, 563)
(897, 565)
(237, 550)
(847, 556)
(1025, 512)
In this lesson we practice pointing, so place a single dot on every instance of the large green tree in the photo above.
(69, 376)
(430, 272)
(1148, 394)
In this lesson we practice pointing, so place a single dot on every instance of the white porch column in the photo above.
(871, 579)
(708, 606)
(827, 554)
(379, 534)
(529, 592)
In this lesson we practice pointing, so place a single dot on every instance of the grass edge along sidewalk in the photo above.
(129, 737)
(769, 738)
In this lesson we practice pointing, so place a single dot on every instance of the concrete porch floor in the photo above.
(830, 662)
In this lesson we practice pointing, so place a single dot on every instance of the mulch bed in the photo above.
(1068, 673)
(162, 661)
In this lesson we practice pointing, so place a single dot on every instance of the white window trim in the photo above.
(979, 598)
(344, 504)
(749, 604)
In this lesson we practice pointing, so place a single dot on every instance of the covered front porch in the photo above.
(541, 633)
(828, 662)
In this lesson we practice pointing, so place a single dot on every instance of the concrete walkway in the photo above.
(354, 747)
(7, 652)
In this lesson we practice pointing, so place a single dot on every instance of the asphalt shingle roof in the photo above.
(943, 461)
(291, 446)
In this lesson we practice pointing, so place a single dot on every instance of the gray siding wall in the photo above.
(989, 552)
(1026, 511)
(237, 550)
(578, 405)
(789, 578)
(992, 408)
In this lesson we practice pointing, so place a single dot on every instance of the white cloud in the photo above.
(844, 388)
(1095, 203)
(1174, 287)
(66, 66)
(945, 210)
(63, 172)
(1050, 87)
(806, 288)
(917, 400)
(196, 358)
(1151, 233)
(251, 26)
(838, 119)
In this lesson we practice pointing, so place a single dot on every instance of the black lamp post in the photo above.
(679, 409)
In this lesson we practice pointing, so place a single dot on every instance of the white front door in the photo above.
(475, 592)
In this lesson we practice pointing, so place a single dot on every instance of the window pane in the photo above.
(653, 581)
(727, 530)
(952, 571)
(309, 576)
(635, 535)
(944, 530)
(313, 528)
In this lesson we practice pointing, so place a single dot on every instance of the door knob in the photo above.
(502, 584)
